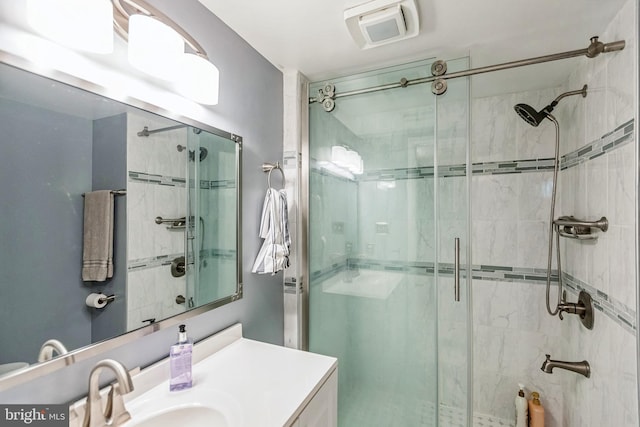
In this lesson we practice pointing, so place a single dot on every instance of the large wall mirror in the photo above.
(176, 232)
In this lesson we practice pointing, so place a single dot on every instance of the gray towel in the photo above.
(97, 255)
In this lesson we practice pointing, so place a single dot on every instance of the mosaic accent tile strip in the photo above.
(228, 254)
(622, 135)
(614, 309)
(172, 181)
(514, 166)
(218, 185)
(151, 262)
(157, 179)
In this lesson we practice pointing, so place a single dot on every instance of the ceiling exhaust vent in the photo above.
(379, 22)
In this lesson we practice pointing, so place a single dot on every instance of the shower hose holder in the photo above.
(573, 228)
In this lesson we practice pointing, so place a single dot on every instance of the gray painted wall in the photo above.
(110, 173)
(250, 106)
(46, 161)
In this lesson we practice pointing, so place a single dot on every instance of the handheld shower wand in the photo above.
(534, 118)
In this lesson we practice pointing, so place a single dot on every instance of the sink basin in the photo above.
(183, 416)
(196, 407)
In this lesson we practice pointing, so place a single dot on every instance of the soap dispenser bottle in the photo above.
(180, 362)
(536, 411)
(521, 408)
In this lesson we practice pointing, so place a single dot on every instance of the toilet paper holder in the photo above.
(107, 299)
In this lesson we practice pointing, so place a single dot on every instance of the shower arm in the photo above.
(582, 92)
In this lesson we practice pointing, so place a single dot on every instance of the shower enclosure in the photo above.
(211, 237)
(388, 224)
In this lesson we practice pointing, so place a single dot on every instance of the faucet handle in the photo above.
(115, 410)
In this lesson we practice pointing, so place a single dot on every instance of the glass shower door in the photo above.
(388, 196)
(211, 239)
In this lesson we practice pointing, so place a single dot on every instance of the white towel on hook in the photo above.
(274, 229)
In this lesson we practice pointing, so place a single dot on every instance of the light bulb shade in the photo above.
(200, 80)
(79, 24)
(154, 47)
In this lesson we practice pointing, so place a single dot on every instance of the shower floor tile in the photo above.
(370, 407)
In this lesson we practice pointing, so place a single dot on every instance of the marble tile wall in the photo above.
(604, 186)
(156, 187)
(512, 330)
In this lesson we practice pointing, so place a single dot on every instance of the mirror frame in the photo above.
(37, 370)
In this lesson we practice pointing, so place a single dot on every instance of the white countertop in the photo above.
(268, 385)
(274, 382)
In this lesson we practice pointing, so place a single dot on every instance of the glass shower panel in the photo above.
(211, 239)
(452, 207)
(373, 292)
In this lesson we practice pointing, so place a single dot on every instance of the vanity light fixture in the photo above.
(153, 48)
(79, 24)
(202, 83)
(156, 44)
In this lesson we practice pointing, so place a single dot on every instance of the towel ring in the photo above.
(269, 167)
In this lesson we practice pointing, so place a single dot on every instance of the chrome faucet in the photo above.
(114, 413)
(582, 368)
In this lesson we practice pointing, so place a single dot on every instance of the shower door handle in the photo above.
(456, 269)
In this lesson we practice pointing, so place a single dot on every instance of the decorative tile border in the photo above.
(614, 309)
(217, 185)
(514, 166)
(161, 260)
(172, 181)
(622, 135)
(152, 262)
(228, 254)
(157, 179)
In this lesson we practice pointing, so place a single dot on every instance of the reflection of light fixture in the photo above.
(339, 156)
(336, 170)
(355, 162)
(79, 24)
(347, 159)
(191, 71)
(154, 47)
(386, 185)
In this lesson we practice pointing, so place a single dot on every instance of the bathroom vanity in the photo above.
(236, 382)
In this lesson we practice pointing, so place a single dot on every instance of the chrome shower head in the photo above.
(534, 118)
